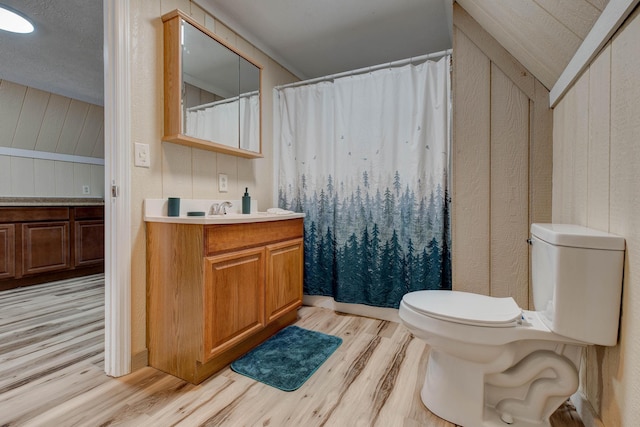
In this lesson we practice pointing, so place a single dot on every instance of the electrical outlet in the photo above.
(142, 156)
(86, 189)
(223, 183)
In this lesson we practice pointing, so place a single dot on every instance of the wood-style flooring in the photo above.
(51, 374)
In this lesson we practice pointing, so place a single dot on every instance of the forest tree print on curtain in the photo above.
(365, 158)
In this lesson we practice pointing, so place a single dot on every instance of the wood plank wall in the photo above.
(542, 34)
(501, 163)
(595, 183)
(32, 119)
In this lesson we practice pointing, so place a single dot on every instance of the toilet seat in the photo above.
(465, 308)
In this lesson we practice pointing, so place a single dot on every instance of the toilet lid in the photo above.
(465, 307)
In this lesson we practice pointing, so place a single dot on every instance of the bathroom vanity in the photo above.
(217, 286)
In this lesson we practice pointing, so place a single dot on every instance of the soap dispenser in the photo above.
(246, 202)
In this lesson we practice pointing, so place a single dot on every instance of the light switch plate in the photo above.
(142, 157)
(223, 183)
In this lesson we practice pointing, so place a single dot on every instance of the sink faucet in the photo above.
(220, 208)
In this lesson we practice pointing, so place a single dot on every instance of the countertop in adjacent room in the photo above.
(50, 201)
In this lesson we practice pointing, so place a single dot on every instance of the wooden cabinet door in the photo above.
(284, 277)
(7, 251)
(89, 242)
(45, 247)
(233, 299)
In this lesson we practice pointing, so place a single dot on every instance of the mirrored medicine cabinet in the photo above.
(212, 97)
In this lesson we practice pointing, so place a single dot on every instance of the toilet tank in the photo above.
(577, 281)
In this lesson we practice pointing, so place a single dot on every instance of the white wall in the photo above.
(49, 144)
(596, 152)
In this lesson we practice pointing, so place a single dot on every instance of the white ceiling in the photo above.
(311, 38)
(63, 55)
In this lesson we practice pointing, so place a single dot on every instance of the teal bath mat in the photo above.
(287, 359)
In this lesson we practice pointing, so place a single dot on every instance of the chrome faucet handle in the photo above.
(215, 208)
(223, 207)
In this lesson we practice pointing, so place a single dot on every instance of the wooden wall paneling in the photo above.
(540, 164)
(177, 180)
(533, 149)
(169, 5)
(197, 13)
(599, 4)
(493, 50)
(52, 123)
(11, 99)
(64, 176)
(72, 127)
(5, 175)
(471, 167)
(557, 195)
(81, 176)
(541, 156)
(205, 174)
(509, 189)
(564, 159)
(31, 116)
(22, 176)
(579, 156)
(97, 181)
(599, 141)
(229, 165)
(90, 129)
(98, 145)
(517, 26)
(620, 405)
(44, 172)
(577, 15)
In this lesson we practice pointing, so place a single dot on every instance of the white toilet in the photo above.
(493, 363)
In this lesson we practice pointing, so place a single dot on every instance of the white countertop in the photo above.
(155, 210)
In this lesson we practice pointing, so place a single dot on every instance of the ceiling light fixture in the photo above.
(12, 21)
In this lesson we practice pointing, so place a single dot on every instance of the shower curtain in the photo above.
(366, 158)
(218, 121)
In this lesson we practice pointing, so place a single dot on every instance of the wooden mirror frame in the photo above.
(173, 82)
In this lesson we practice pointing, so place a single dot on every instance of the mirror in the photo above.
(212, 92)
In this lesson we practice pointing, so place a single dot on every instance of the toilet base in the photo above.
(467, 393)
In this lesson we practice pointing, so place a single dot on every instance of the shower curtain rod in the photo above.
(222, 101)
(368, 69)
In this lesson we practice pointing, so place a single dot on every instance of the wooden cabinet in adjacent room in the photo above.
(7, 251)
(40, 244)
(216, 291)
(89, 236)
(45, 247)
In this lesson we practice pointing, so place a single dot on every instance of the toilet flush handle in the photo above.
(530, 242)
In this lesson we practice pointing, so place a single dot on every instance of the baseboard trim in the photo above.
(140, 360)
(586, 411)
(382, 313)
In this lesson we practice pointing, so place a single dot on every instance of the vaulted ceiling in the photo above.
(542, 35)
